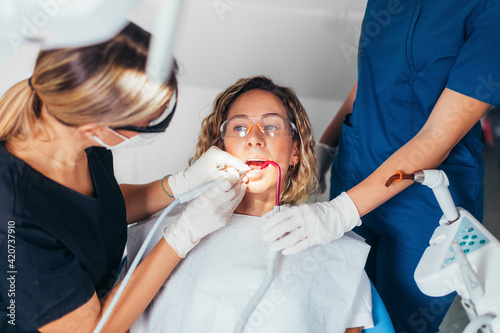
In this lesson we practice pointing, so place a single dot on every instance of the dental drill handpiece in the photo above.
(272, 257)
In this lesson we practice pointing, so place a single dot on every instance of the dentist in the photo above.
(63, 217)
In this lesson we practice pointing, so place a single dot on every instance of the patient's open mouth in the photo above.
(255, 164)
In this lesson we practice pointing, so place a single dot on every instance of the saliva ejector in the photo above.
(271, 263)
(186, 197)
(462, 256)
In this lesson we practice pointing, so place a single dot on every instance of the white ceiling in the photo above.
(310, 45)
(307, 44)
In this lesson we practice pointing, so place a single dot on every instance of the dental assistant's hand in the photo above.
(205, 169)
(301, 227)
(206, 214)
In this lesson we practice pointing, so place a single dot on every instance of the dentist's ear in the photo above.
(90, 130)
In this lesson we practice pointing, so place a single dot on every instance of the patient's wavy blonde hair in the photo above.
(301, 180)
(104, 84)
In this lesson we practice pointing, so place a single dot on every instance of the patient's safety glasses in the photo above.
(271, 124)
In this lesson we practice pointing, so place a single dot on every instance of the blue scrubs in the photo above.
(409, 51)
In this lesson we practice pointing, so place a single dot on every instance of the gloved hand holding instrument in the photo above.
(214, 204)
(205, 169)
(205, 214)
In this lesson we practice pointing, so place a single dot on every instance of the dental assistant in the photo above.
(427, 72)
(63, 215)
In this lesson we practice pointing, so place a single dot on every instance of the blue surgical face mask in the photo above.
(140, 140)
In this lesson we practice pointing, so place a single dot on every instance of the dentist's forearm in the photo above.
(142, 287)
(142, 201)
(147, 279)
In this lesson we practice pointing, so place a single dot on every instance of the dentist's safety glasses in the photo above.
(147, 134)
(158, 125)
(270, 124)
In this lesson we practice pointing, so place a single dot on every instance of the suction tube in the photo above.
(271, 264)
(278, 183)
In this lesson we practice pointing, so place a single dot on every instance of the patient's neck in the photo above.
(256, 204)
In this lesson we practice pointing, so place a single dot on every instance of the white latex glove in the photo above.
(324, 156)
(300, 227)
(206, 168)
(205, 214)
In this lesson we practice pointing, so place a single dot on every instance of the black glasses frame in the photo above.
(158, 128)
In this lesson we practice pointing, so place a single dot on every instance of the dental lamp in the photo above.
(29, 26)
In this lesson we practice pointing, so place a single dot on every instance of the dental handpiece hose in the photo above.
(186, 197)
(272, 257)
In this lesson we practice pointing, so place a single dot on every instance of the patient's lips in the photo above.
(256, 165)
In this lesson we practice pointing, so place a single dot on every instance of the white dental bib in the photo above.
(322, 289)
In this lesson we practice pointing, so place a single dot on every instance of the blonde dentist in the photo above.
(61, 209)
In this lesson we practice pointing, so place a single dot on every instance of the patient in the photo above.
(323, 289)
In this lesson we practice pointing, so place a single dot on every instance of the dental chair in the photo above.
(381, 318)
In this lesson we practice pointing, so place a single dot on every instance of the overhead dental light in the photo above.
(28, 26)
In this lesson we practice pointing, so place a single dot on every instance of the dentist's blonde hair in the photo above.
(103, 84)
(301, 180)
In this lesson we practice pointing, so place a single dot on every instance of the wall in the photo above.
(308, 45)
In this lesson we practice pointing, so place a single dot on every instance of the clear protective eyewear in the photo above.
(272, 125)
